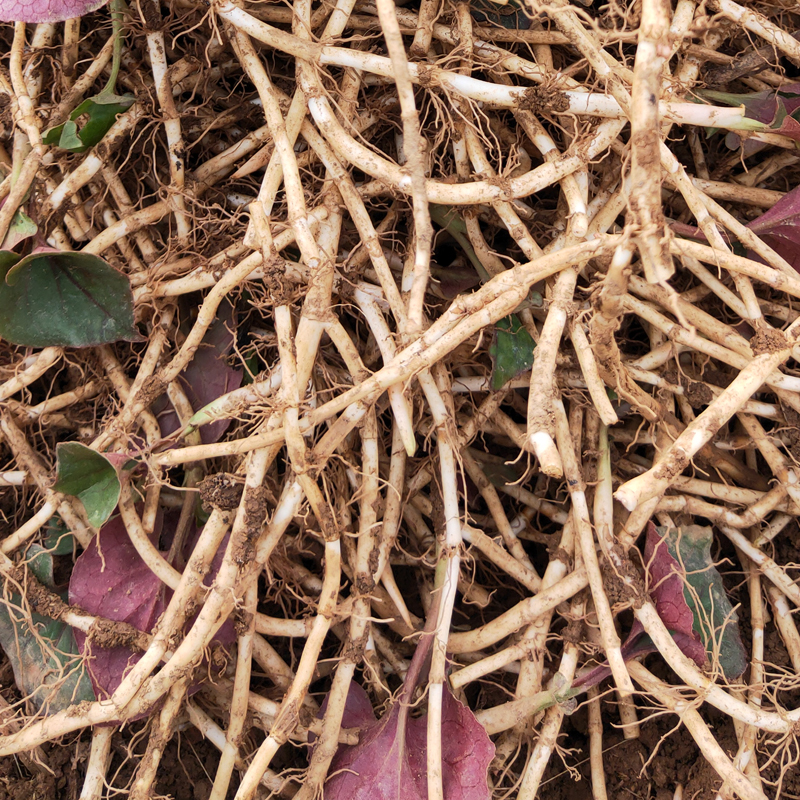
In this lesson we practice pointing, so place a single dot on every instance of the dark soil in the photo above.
(186, 772)
(648, 767)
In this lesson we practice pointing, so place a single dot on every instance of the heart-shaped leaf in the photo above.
(390, 759)
(90, 476)
(511, 351)
(101, 111)
(689, 596)
(46, 10)
(64, 299)
(43, 652)
(667, 579)
(111, 580)
(22, 227)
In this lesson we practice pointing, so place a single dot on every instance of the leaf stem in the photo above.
(117, 11)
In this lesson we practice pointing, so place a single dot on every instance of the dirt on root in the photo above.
(768, 340)
(221, 491)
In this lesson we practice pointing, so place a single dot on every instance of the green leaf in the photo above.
(22, 227)
(44, 656)
(64, 299)
(69, 139)
(40, 563)
(101, 111)
(89, 476)
(511, 351)
(58, 541)
(715, 621)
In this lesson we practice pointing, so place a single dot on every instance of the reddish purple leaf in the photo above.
(111, 580)
(46, 10)
(667, 578)
(779, 227)
(389, 762)
(453, 280)
(207, 378)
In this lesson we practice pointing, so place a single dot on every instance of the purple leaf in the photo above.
(389, 761)
(779, 227)
(46, 10)
(207, 378)
(453, 280)
(111, 580)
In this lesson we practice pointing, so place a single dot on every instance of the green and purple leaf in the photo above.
(666, 579)
(689, 596)
(63, 299)
(685, 554)
(779, 109)
(22, 227)
(46, 10)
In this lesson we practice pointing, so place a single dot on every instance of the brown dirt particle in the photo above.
(768, 340)
(573, 633)
(424, 75)
(221, 491)
(152, 14)
(41, 599)
(698, 394)
(256, 508)
(543, 100)
(106, 633)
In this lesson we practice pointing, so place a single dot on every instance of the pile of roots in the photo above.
(487, 277)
